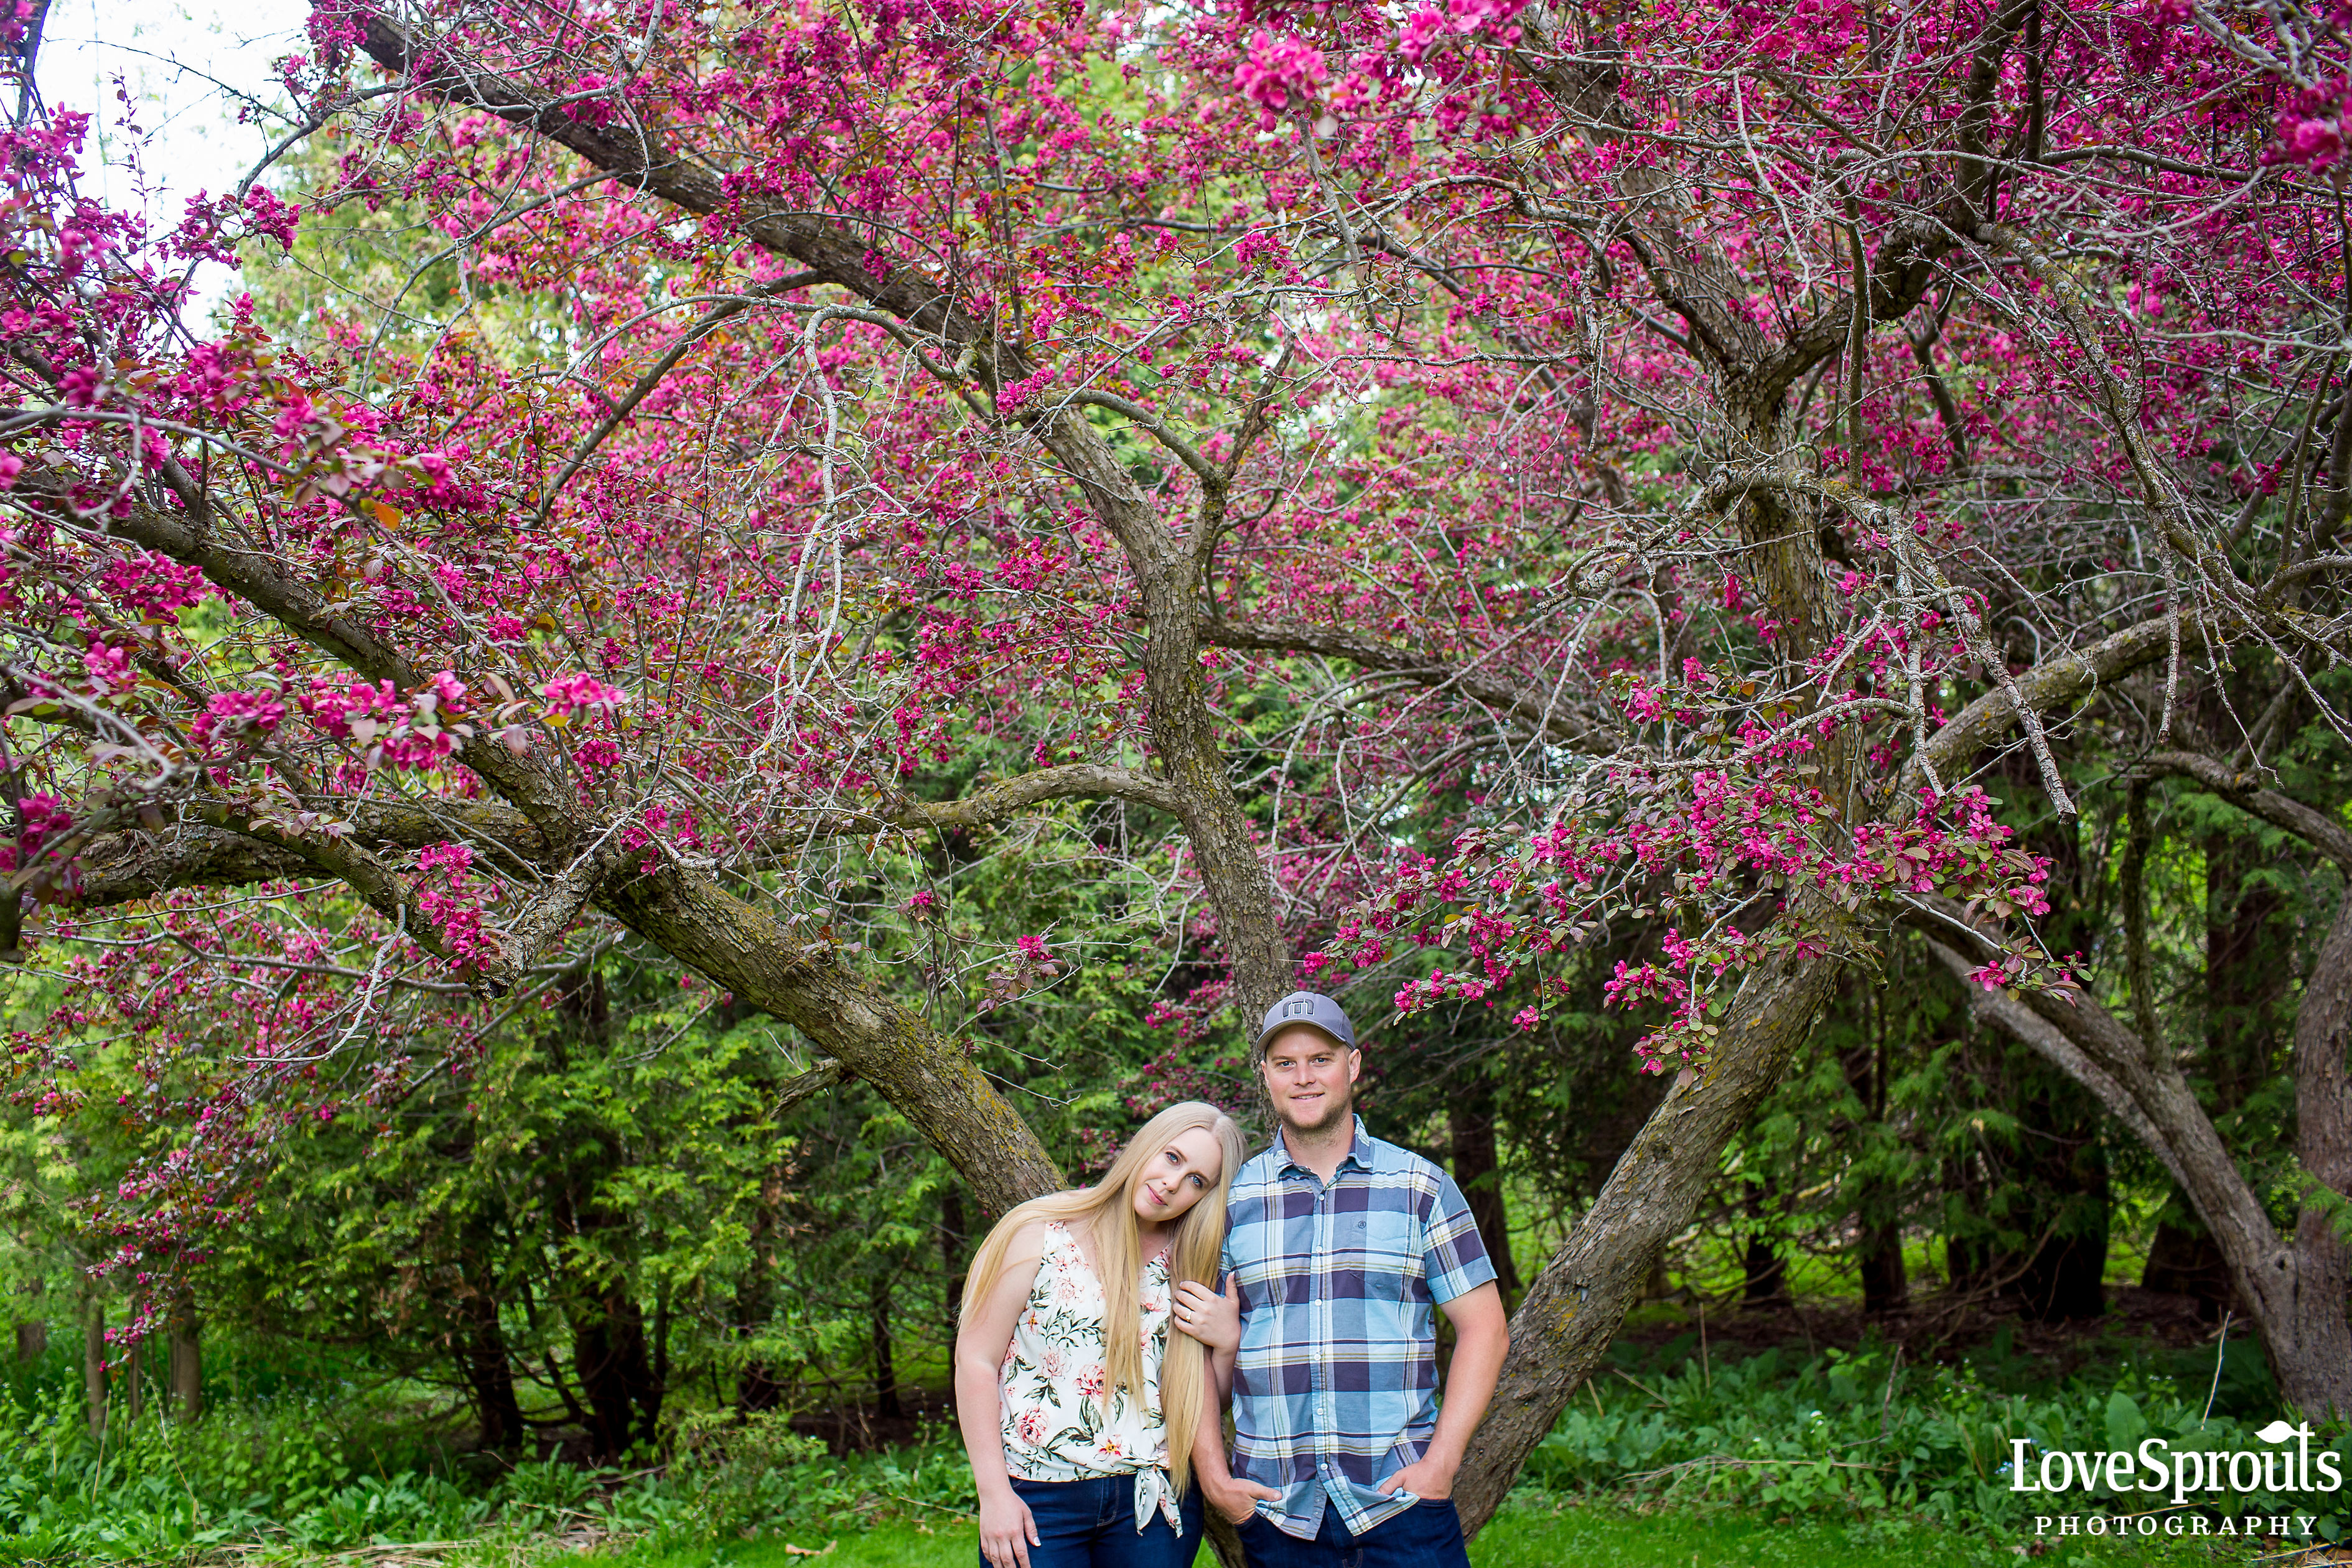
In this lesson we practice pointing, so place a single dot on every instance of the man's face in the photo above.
(1311, 1079)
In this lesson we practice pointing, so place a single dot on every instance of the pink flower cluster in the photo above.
(417, 731)
(43, 817)
(445, 895)
(1509, 906)
(2314, 126)
(572, 697)
(1281, 72)
(238, 721)
(154, 587)
(1426, 27)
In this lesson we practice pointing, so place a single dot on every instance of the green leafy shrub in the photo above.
(1854, 1434)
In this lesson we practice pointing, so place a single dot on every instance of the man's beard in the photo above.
(1338, 1109)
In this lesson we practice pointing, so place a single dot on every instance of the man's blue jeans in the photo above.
(1091, 1524)
(1426, 1535)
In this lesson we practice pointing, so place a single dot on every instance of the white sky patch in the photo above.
(185, 63)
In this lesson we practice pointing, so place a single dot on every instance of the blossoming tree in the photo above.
(1703, 441)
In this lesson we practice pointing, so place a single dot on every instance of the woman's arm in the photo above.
(1006, 1530)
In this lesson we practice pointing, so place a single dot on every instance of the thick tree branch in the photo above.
(123, 867)
(2065, 679)
(2243, 790)
(2260, 1263)
(2028, 1027)
(996, 802)
(1572, 1311)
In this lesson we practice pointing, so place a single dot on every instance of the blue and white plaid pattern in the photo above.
(1335, 1388)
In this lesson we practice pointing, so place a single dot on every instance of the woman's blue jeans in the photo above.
(1091, 1524)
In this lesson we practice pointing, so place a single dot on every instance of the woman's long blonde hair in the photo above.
(1106, 1209)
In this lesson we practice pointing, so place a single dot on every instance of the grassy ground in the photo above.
(1539, 1535)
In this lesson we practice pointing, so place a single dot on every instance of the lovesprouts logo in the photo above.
(2195, 1477)
(2187, 1473)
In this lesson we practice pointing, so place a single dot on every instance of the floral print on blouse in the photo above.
(1049, 1391)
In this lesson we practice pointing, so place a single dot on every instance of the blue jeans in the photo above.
(1426, 1535)
(1091, 1524)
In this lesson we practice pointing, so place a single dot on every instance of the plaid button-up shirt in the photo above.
(1335, 1388)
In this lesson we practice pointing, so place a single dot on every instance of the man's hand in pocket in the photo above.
(1237, 1500)
(1424, 1477)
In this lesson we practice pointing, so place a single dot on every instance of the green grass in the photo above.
(1533, 1532)
(1536, 1532)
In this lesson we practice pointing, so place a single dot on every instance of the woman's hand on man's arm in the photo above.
(1213, 1319)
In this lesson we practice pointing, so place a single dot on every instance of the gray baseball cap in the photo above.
(1307, 1007)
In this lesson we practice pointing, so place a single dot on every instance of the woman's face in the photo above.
(1174, 1179)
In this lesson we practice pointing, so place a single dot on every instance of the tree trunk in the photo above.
(1573, 1309)
(955, 1250)
(133, 1356)
(608, 1355)
(885, 1361)
(2315, 1374)
(186, 1380)
(1885, 1285)
(1764, 1275)
(1477, 1171)
(2183, 1261)
(32, 1339)
(757, 1386)
(93, 1364)
(1886, 1289)
(489, 1372)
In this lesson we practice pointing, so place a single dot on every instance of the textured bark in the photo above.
(185, 1379)
(2318, 1378)
(32, 1340)
(1573, 1310)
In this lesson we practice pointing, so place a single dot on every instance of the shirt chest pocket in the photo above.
(1387, 1245)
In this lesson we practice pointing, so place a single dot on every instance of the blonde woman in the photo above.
(1067, 1381)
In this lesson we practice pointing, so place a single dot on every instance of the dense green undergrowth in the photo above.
(1892, 1459)
(1856, 1435)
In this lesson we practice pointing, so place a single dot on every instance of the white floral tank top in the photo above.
(1049, 1390)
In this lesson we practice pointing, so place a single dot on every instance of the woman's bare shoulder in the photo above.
(1027, 1242)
